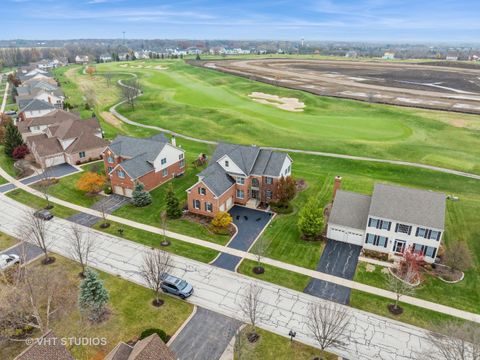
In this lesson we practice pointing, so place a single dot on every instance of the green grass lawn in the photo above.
(271, 346)
(130, 314)
(212, 105)
(6, 163)
(6, 241)
(177, 247)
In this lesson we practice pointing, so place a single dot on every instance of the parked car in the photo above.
(7, 260)
(43, 214)
(176, 286)
(10, 112)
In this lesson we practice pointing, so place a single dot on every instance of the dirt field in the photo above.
(416, 85)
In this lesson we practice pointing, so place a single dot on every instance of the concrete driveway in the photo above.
(108, 203)
(339, 259)
(250, 223)
(205, 337)
(26, 251)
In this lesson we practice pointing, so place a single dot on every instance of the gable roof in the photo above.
(70, 128)
(54, 117)
(216, 179)
(350, 209)
(414, 206)
(44, 146)
(34, 105)
(50, 348)
(120, 352)
(152, 347)
(243, 156)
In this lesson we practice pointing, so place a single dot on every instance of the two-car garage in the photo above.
(119, 190)
(348, 235)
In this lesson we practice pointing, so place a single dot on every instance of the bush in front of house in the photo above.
(173, 205)
(20, 152)
(91, 182)
(221, 222)
(310, 220)
(140, 197)
(147, 332)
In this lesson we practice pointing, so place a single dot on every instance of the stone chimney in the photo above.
(174, 141)
(337, 185)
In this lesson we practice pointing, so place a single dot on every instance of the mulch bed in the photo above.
(48, 261)
(253, 337)
(104, 225)
(446, 273)
(205, 221)
(395, 311)
(258, 270)
(158, 303)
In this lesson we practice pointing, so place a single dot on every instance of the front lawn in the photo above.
(6, 241)
(131, 312)
(6, 163)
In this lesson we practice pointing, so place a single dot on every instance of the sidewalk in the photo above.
(239, 253)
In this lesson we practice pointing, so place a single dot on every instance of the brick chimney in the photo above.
(337, 184)
(174, 141)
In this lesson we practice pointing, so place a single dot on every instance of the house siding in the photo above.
(209, 197)
(92, 154)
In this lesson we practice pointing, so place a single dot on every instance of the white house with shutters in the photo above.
(393, 219)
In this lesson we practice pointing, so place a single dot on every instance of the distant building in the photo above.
(105, 58)
(388, 55)
(452, 56)
(81, 59)
(351, 54)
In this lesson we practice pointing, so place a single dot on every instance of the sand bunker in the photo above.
(160, 67)
(288, 104)
(111, 119)
(123, 65)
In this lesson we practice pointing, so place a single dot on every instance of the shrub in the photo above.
(20, 151)
(12, 139)
(147, 332)
(140, 197)
(310, 221)
(173, 205)
(91, 182)
(221, 220)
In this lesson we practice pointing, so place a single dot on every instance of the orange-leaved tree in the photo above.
(221, 220)
(90, 70)
(91, 182)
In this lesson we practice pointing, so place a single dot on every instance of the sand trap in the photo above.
(160, 67)
(288, 104)
(123, 65)
(111, 119)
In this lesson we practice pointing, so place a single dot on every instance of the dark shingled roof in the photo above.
(48, 347)
(243, 156)
(216, 179)
(34, 105)
(120, 352)
(350, 209)
(150, 348)
(414, 206)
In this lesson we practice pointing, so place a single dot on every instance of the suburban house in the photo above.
(49, 346)
(63, 137)
(55, 97)
(151, 161)
(388, 55)
(81, 59)
(393, 219)
(152, 347)
(238, 174)
(30, 108)
(105, 58)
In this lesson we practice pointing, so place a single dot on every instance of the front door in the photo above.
(254, 194)
(399, 246)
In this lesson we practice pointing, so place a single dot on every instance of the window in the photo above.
(81, 154)
(182, 163)
(379, 224)
(428, 234)
(376, 240)
(121, 174)
(421, 232)
(269, 180)
(163, 161)
(165, 172)
(180, 157)
(402, 228)
(202, 191)
(434, 235)
(110, 159)
(255, 182)
(240, 180)
(110, 169)
(240, 194)
(208, 207)
(268, 194)
(226, 163)
(196, 204)
(429, 251)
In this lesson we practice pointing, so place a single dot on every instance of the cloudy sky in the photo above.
(350, 20)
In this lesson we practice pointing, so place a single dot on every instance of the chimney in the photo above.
(174, 141)
(336, 185)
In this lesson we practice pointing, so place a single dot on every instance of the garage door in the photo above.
(128, 192)
(354, 238)
(118, 190)
(344, 235)
(229, 203)
(55, 160)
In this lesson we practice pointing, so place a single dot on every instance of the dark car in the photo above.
(10, 112)
(176, 286)
(43, 214)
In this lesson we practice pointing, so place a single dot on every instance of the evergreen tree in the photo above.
(140, 197)
(310, 221)
(173, 205)
(93, 296)
(12, 139)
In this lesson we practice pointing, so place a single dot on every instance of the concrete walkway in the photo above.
(243, 254)
(309, 152)
(221, 291)
(5, 96)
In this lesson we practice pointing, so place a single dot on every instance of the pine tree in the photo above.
(140, 197)
(12, 139)
(93, 296)
(173, 205)
(310, 221)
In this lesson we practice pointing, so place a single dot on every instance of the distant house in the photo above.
(451, 56)
(193, 51)
(63, 137)
(238, 174)
(388, 55)
(390, 221)
(124, 57)
(151, 161)
(81, 59)
(105, 58)
(30, 108)
(151, 347)
(55, 97)
(49, 346)
(351, 54)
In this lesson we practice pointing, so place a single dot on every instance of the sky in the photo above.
(336, 20)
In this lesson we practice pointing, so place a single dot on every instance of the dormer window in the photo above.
(240, 180)
(226, 163)
(110, 159)
(202, 191)
(163, 161)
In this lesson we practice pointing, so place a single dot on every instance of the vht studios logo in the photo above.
(68, 341)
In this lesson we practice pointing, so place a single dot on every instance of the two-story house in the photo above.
(237, 174)
(151, 161)
(393, 219)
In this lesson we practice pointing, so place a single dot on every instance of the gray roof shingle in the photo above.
(414, 206)
(216, 179)
(350, 209)
(34, 105)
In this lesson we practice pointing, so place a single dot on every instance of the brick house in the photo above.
(152, 161)
(238, 174)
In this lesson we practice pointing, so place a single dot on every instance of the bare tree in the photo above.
(328, 324)
(252, 308)
(44, 185)
(104, 223)
(40, 296)
(81, 246)
(402, 284)
(459, 257)
(108, 78)
(457, 341)
(260, 250)
(35, 231)
(163, 222)
(156, 263)
(130, 90)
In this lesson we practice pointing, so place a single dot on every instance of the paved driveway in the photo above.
(26, 251)
(250, 223)
(339, 259)
(108, 203)
(205, 337)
